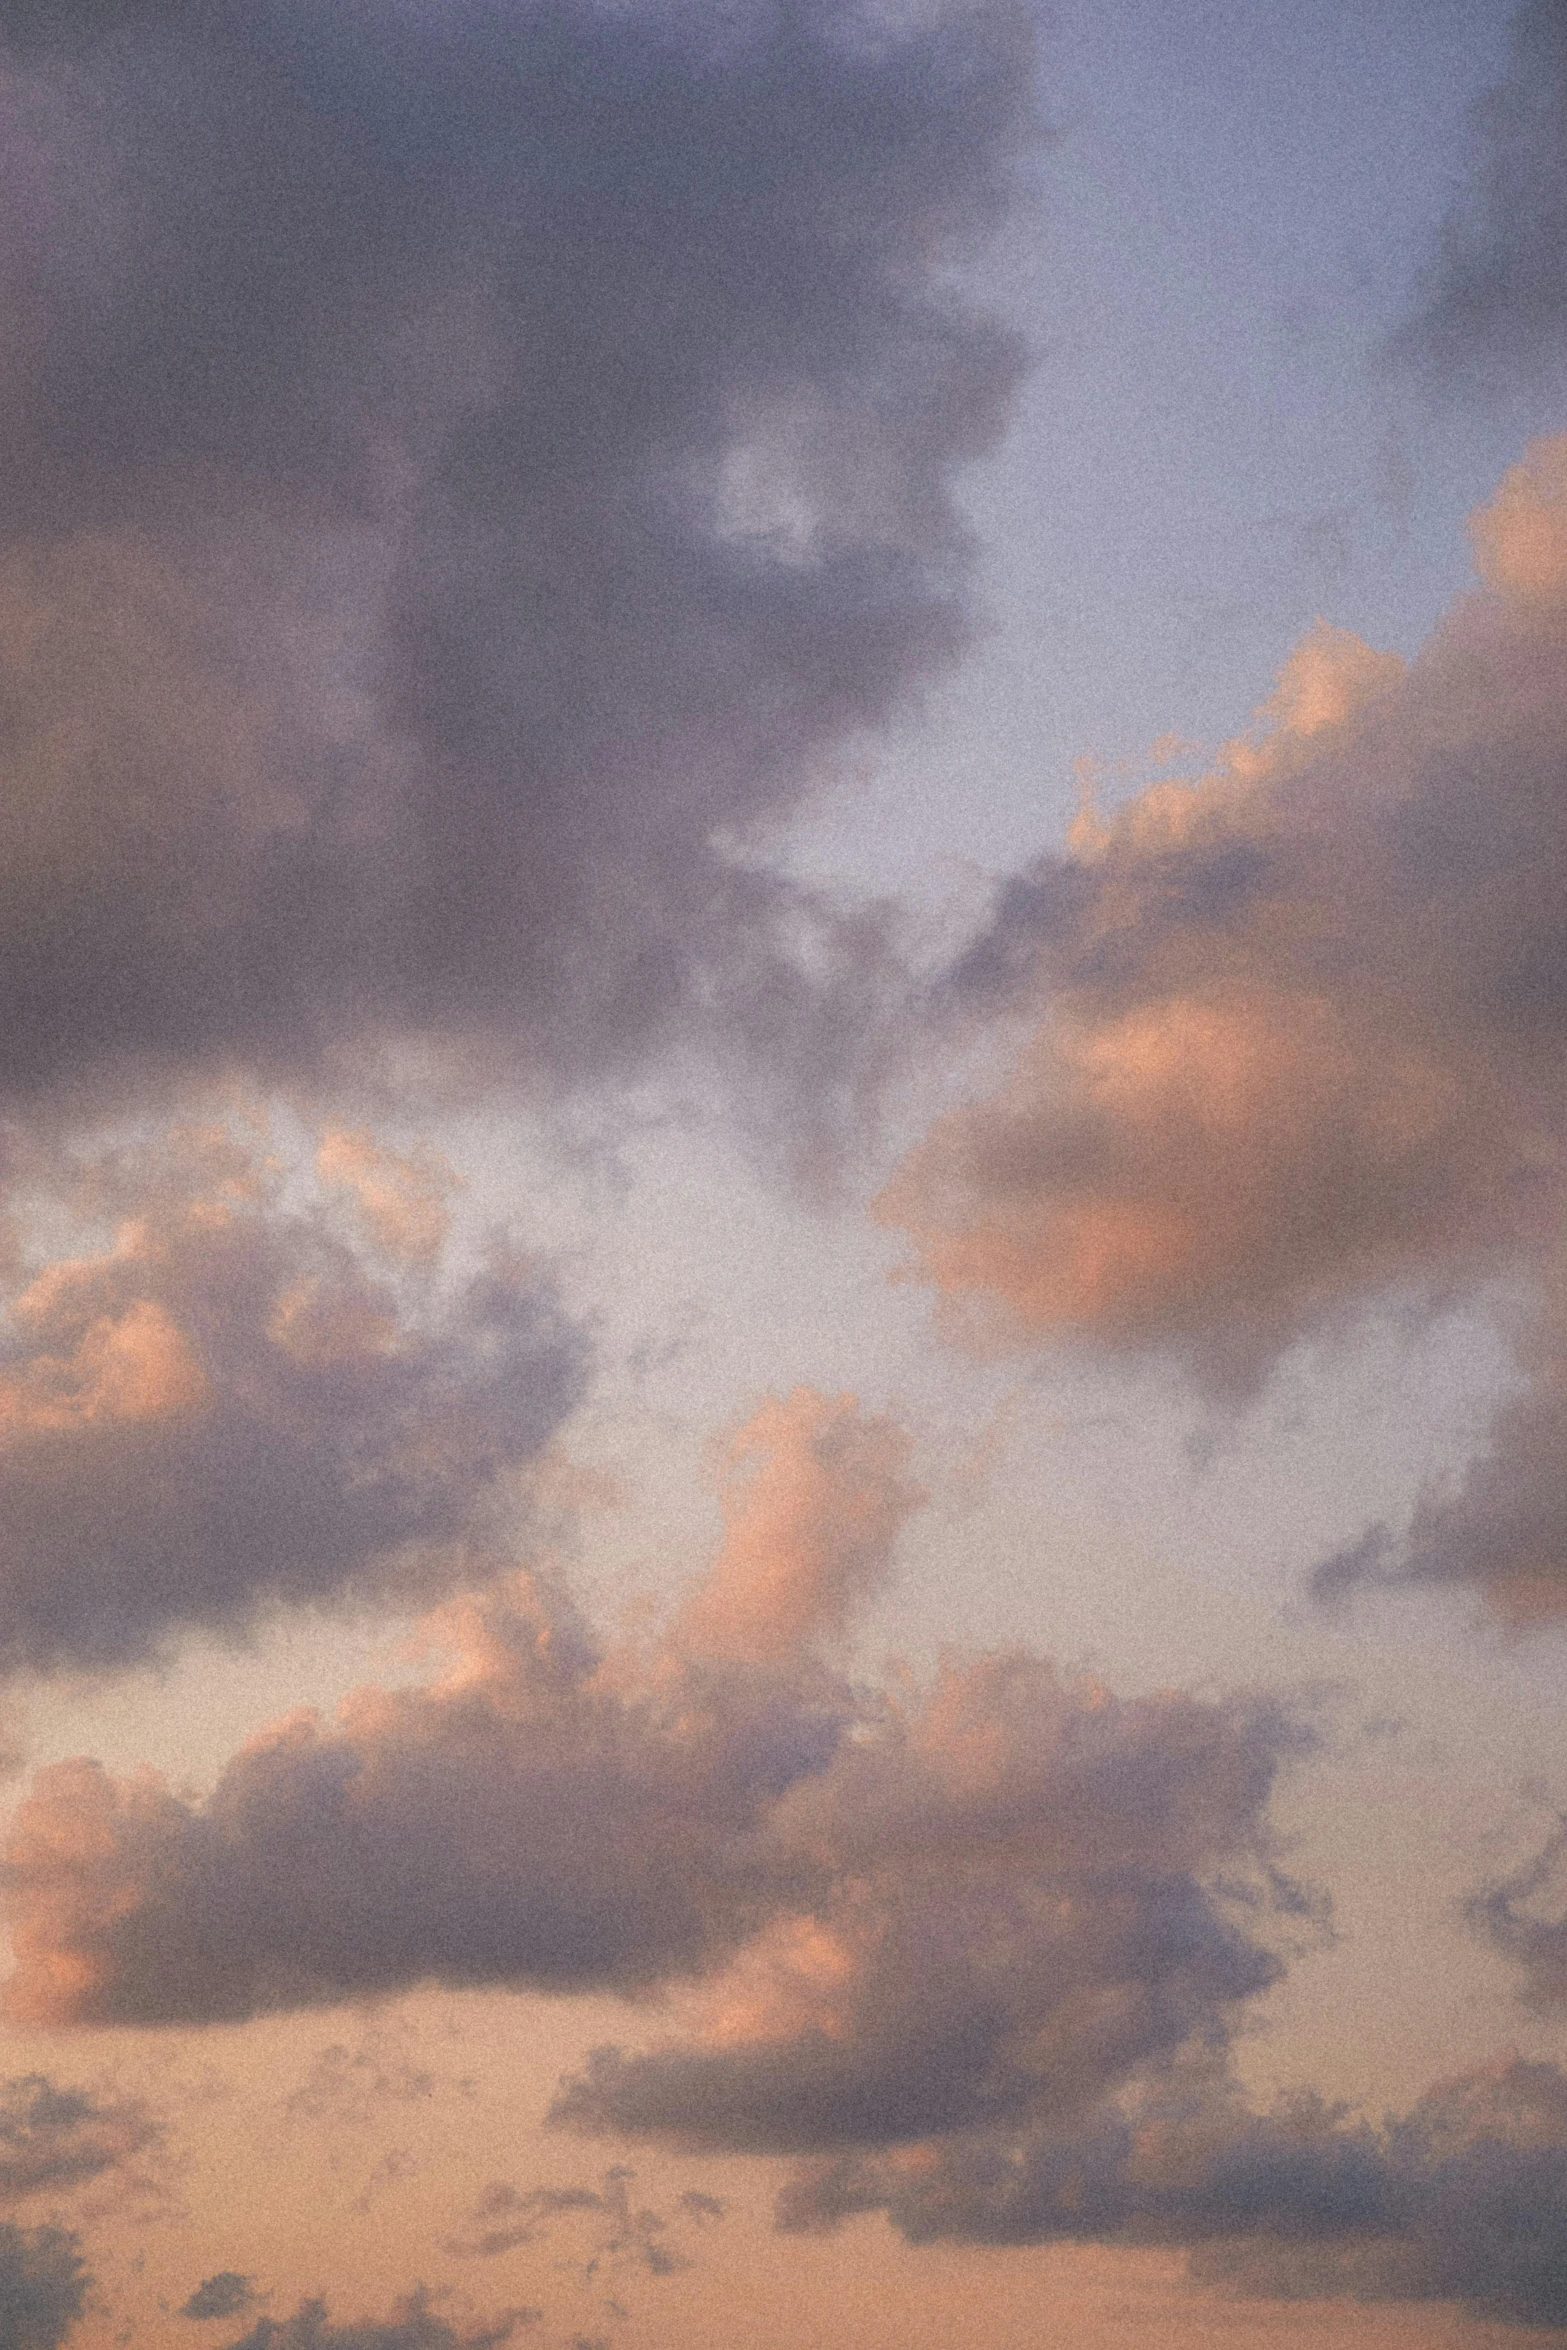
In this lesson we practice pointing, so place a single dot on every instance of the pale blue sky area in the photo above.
(1227, 228)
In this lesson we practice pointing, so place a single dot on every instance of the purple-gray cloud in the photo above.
(1495, 300)
(1464, 2198)
(1302, 1029)
(230, 1406)
(462, 467)
(1044, 1886)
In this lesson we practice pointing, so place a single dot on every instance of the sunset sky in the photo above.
(783, 1330)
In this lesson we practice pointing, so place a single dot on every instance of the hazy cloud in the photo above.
(1525, 1915)
(1496, 296)
(1303, 1025)
(462, 467)
(621, 2234)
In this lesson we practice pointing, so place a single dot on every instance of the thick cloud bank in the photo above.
(462, 465)
(232, 1404)
(893, 1911)
(1464, 2198)
(1304, 1028)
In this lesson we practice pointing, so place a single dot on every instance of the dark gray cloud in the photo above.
(461, 467)
(996, 1895)
(1464, 2198)
(232, 1406)
(43, 2286)
(1496, 293)
(223, 2295)
(1303, 1029)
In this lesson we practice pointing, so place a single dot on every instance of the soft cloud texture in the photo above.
(1496, 299)
(462, 467)
(228, 1406)
(1302, 1037)
(895, 1910)
(814, 1496)
(1525, 1915)
(1463, 2198)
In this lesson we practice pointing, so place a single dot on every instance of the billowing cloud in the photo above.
(462, 467)
(893, 1910)
(1464, 2198)
(1496, 296)
(1303, 1026)
(229, 1406)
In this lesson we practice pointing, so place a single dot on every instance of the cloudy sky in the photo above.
(783, 1332)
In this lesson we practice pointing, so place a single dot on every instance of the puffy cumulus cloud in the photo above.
(888, 1910)
(1303, 1024)
(814, 1497)
(43, 2285)
(413, 2325)
(462, 468)
(1020, 1907)
(1496, 293)
(1464, 2198)
(229, 1406)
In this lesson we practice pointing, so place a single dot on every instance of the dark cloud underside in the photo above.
(457, 463)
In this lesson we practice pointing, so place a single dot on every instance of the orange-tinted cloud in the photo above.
(1302, 1027)
(227, 1406)
(898, 1909)
(814, 1496)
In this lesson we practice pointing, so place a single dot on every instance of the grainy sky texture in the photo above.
(783, 1149)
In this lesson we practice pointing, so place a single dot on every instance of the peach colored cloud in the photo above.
(1301, 1029)
(814, 1496)
(227, 1407)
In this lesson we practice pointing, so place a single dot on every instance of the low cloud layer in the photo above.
(230, 1405)
(462, 467)
(892, 1910)
(1464, 2198)
(1302, 1036)
(413, 2325)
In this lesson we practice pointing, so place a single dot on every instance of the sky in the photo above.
(783, 1338)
